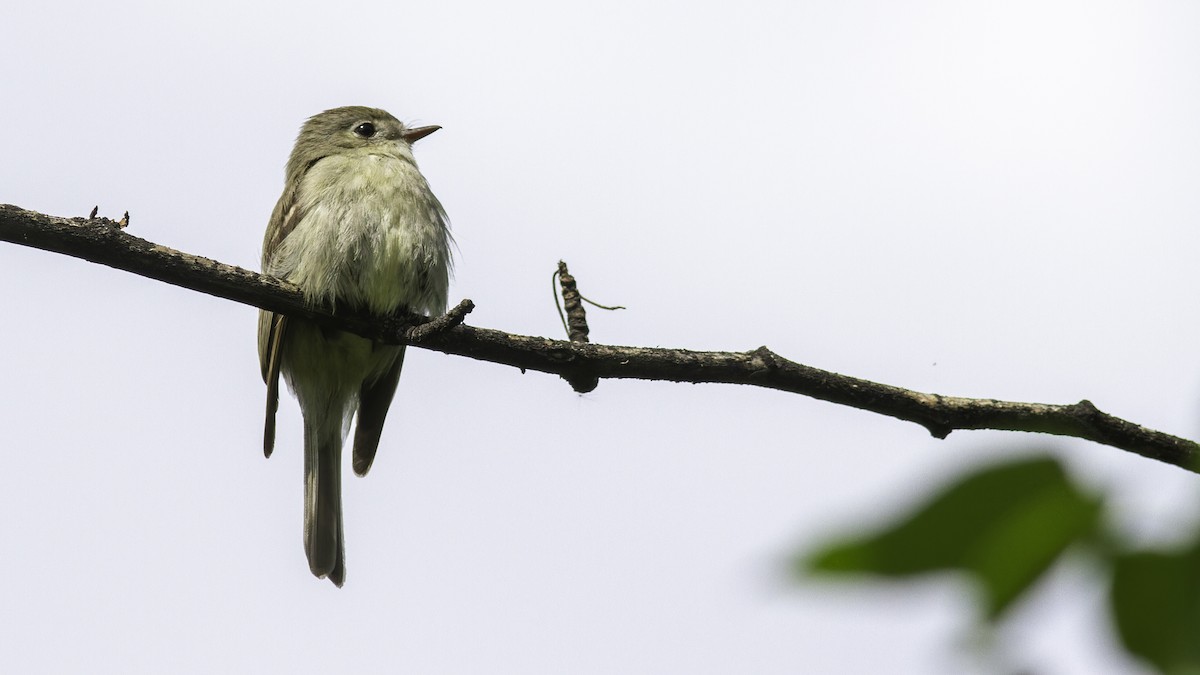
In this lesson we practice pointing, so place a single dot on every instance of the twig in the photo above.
(577, 327)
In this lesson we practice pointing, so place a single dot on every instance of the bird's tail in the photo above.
(323, 541)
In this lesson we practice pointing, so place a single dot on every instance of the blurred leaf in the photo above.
(1004, 526)
(1156, 605)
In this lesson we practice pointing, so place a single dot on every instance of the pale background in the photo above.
(980, 199)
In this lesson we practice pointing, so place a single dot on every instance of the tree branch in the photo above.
(103, 241)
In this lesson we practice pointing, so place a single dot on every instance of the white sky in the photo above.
(980, 199)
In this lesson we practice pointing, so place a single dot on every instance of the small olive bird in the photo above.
(356, 227)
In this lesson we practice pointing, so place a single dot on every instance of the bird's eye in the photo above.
(366, 130)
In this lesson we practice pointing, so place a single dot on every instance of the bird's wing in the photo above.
(374, 398)
(271, 329)
(271, 326)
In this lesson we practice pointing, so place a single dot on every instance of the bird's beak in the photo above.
(414, 135)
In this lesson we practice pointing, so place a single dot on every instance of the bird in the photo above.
(357, 228)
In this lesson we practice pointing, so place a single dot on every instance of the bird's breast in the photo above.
(371, 234)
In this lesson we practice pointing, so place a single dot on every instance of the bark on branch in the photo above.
(104, 241)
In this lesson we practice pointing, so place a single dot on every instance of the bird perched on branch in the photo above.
(356, 227)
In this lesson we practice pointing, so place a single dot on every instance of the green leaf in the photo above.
(1004, 526)
(1156, 603)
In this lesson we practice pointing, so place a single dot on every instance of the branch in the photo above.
(103, 241)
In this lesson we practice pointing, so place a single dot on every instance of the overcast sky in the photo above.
(976, 199)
